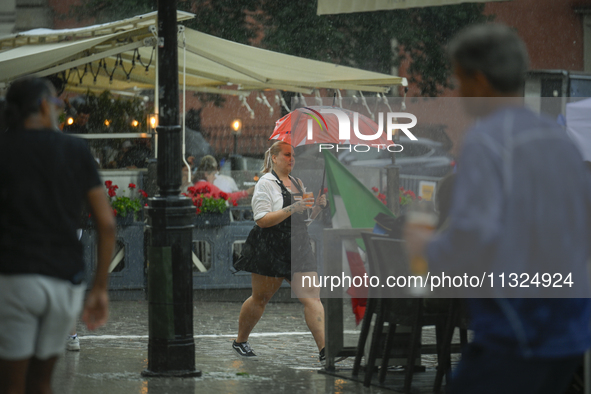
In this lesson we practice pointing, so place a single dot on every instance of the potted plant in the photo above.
(404, 196)
(126, 208)
(210, 207)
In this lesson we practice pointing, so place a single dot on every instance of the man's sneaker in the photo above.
(73, 343)
(243, 349)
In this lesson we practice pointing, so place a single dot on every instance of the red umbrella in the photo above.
(326, 124)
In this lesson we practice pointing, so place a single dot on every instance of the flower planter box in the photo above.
(125, 221)
(212, 219)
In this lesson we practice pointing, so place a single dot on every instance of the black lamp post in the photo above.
(171, 347)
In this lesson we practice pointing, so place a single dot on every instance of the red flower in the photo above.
(191, 189)
(375, 189)
(112, 192)
(325, 190)
(108, 183)
(143, 193)
(132, 186)
(224, 195)
(198, 211)
(114, 212)
(234, 203)
(146, 205)
(401, 188)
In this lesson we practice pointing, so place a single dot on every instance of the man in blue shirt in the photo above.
(521, 204)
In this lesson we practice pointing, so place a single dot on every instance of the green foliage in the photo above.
(213, 205)
(222, 18)
(111, 10)
(120, 112)
(365, 40)
(124, 205)
(228, 19)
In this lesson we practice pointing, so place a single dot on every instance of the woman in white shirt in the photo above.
(278, 247)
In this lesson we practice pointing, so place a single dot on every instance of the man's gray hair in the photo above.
(496, 51)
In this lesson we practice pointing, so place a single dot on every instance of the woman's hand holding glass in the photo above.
(302, 204)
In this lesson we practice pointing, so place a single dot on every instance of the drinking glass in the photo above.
(310, 205)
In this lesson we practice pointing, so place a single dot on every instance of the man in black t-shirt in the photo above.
(45, 177)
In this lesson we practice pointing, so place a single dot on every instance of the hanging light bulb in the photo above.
(152, 121)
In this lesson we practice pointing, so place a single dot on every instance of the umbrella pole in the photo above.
(321, 192)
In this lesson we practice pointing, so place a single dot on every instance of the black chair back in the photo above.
(386, 257)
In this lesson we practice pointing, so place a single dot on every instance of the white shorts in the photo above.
(36, 314)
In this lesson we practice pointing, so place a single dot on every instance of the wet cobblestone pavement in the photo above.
(112, 358)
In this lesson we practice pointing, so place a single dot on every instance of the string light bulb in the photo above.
(152, 121)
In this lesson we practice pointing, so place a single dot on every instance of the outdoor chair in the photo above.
(386, 257)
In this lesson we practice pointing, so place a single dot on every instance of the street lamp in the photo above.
(237, 127)
(169, 231)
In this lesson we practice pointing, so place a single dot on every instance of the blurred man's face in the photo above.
(473, 85)
(468, 83)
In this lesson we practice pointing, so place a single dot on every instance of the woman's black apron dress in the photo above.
(280, 250)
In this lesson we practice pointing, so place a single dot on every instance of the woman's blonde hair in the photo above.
(207, 164)
(274, 150)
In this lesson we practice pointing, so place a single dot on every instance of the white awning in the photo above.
(348, 6)
(24, 60)
(43, 36)
(109, 54)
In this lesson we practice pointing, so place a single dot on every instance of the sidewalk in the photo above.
(112, 358)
